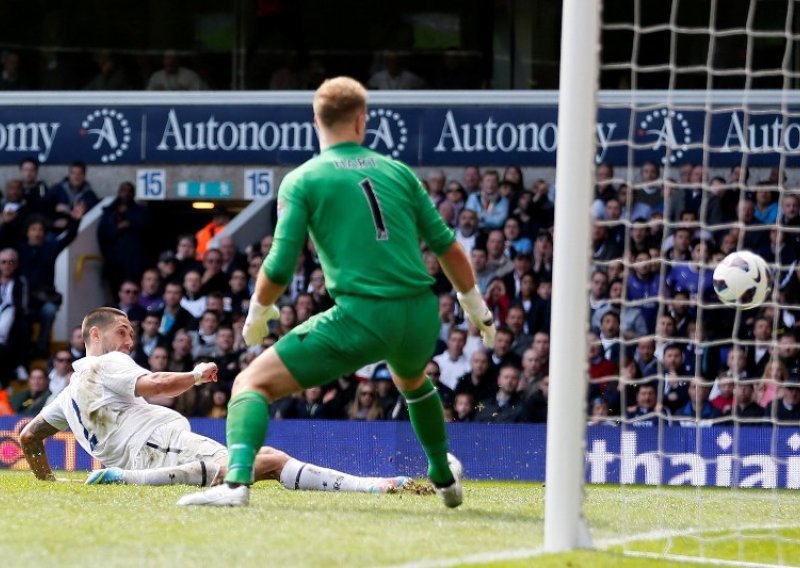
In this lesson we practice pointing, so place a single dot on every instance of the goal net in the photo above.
(693, 406)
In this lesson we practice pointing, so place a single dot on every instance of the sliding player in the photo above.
(147, 444)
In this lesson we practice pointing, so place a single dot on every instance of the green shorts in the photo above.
(358, 331)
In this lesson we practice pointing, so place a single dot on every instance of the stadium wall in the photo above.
(706, 456)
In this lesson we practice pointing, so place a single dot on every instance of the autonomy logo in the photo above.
(671, 130)
(390, 134)
(112, 130)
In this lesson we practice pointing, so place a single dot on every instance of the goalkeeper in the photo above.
(366, 215)
(102, 405)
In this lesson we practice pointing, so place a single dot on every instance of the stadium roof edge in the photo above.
(456, 98)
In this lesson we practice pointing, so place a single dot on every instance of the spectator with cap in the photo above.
(167, 266)
(387, 392)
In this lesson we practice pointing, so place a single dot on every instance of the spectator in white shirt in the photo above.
(453, 362)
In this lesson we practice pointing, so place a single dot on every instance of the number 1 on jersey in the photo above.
(381, 232)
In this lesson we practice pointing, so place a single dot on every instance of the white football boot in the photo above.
(452, 495)
(222, 495)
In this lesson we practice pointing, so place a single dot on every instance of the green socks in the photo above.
(427, 419)
(248, 417)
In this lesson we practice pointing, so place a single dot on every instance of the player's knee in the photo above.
(406, 385)
(269, 450)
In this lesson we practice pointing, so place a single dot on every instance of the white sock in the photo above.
(197, 473)
(310, 477)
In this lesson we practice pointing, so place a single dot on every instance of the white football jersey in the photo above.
(99, 405)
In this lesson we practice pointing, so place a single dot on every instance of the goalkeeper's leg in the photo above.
(427, 419)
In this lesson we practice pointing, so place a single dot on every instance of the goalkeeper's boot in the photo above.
(389, 484)
(452, 495)
(106, 476)
(222, 495)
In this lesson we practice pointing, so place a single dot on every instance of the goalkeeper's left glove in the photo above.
(257, 321)
(478, 313)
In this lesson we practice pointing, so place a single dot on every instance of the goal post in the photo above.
(564, 528)
(695, 405)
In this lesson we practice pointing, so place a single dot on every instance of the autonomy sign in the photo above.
(420, 134)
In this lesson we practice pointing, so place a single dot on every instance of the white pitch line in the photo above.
(602, 545)
(698, 560)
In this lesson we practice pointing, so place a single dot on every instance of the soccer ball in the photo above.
(742, 279)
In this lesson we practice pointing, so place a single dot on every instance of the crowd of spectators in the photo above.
(171, 71)
(661, 346)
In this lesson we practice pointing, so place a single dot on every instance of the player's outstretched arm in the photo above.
(32, 440)
(174, 384)
(262, 309)
(458, 269)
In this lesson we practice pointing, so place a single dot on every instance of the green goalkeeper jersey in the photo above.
(366, 215)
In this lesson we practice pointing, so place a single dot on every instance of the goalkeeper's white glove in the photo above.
(257, 321)
(478, 313)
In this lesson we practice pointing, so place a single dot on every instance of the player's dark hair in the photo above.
(100, 318)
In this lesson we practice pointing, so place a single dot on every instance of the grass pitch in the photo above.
(500, 524)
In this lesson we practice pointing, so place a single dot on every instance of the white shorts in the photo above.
(173, 444)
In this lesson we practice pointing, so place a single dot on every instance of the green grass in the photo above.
(500, 524)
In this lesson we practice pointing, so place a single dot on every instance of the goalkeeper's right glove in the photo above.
(257, 321)
(478, 313)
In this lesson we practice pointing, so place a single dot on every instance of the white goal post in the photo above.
(717, 409)
(564, 528)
